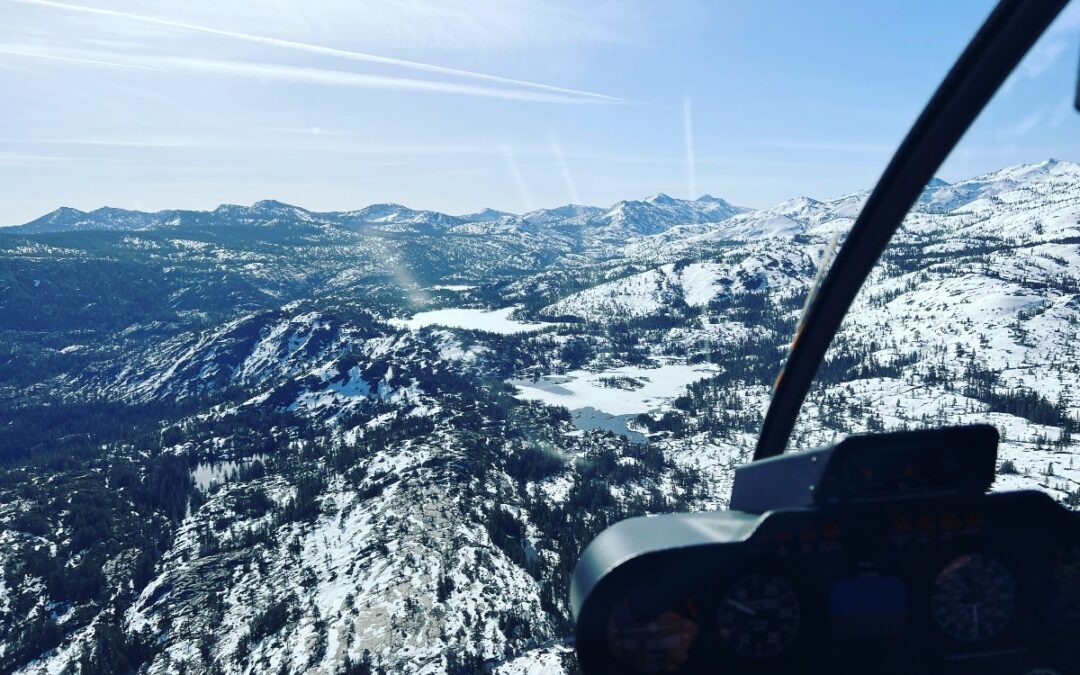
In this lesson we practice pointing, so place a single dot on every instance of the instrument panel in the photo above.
(955, 584)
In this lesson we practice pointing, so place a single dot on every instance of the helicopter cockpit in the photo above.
(882, 553)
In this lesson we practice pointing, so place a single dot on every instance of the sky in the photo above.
(459, 105)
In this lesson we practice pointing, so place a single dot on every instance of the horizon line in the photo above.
(508, 213)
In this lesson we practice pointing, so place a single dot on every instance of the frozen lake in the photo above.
(629, 390)
(608, 399)
(451, 287)
(591, 418)
(490, 320)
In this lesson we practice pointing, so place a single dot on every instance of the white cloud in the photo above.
(298, 74)
(314, 130)
(1059, 40)
(341, 78)
(465, 25)
(31, 53)
(442, 25)
(1022, 127)
(8, 159)
(317, 49)
(1062, 111)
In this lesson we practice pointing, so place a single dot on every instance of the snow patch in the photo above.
(490, 320)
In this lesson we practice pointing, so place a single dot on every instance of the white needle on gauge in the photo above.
(741, 607)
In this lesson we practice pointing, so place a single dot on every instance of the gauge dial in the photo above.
(759, 616)
(649, 637)
(974, 597)
(1064, 605)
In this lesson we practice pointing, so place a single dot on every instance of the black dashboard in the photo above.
(871, 564)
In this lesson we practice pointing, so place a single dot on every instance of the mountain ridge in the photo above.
(648, 216)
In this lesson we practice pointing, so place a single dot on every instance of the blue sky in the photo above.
(455, 105)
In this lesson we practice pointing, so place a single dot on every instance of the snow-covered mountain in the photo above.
(485, 215)
(623, 220)
(1042, 178)
(66, 219)
(659, 212)
(266, 439)
(571, 212)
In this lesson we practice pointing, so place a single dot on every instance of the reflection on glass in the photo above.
(868, 607)
(974, 598)
(759, 616)
(648, 637)
(1064, 600)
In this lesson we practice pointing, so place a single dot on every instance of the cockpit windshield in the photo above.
(331, 333)
(967, 318)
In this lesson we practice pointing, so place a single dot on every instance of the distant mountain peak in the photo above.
(272, 204)
(1061, 165)
(797, 203)
(660, 198)
(62, 213)
(378, 211)
(562, 213)
(485, 215)
(1049, 166)
(66, 219)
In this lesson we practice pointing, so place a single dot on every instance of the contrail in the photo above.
(341, 78)
(318, 76)
(317, 49)
(73, 59)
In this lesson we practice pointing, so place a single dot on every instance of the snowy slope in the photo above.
(412, 422)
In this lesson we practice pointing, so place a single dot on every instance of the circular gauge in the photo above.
(648, 636)
(1064, 601)
(759, 616)
(973, 598)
